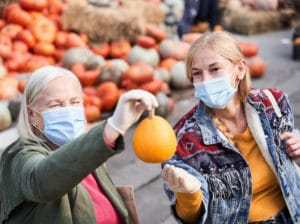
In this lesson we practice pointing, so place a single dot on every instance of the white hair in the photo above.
(36, 83)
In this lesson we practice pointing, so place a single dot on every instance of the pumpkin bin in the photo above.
(154, 140)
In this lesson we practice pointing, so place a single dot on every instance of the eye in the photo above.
(196, 74)
(53, 105)
(215, 69)
(76, 101)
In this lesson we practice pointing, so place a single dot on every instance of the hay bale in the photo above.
(100, 24)
(250, 22)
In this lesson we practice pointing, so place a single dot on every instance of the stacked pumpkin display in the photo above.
(31, 36)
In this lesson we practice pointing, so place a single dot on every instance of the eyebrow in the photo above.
(210, 65)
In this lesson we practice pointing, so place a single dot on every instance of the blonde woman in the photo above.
(54, 172)
(234, 159)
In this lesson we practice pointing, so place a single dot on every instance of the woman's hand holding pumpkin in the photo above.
(292, 144)
(130, 107)
(180, 180)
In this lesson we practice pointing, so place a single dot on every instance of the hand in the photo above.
(130, 107)
(180, 180)
(292, 145)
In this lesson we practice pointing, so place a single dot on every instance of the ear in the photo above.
(242, 67)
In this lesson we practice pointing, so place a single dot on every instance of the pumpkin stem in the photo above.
(151, 113)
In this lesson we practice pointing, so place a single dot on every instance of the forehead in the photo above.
(61, 87)
(207, 56)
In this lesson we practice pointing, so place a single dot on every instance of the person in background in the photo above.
(196, 11)
(55, 173)
(236, 148)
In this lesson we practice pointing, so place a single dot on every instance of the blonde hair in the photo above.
(36, 83)
(224, 44)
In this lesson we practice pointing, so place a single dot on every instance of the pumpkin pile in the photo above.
(32, 35)
(256, 64)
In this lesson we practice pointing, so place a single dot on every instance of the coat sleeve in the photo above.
(45, 177)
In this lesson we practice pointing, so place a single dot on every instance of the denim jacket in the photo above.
(224, 174)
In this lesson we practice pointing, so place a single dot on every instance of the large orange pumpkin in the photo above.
(154, 140)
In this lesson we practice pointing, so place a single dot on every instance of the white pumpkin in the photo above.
(76, 56)
(179, 78)
(162, 74)
(138, 53)
(5, 117)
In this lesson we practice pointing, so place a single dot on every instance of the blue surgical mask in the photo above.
(215, 93)
(64, 124)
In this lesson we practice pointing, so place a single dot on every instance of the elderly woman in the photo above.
(54, 173)
(234, 161)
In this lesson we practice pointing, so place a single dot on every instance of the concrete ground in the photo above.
(125, 169)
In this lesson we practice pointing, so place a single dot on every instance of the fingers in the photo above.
(171, 177)
(287, 135)
(292, 144)
(141, 96)
(180, 180)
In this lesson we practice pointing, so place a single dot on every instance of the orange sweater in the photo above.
(267, 199)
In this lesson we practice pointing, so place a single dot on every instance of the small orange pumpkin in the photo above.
(145, 41)
(119, 48)
(102, 49)
(248, 49)
(44, 48)
(155, 32)
(109, 94)
(257, 67)
(27, 37)
(154, 140)
(43, 29)
(34, 5)
(139, 72)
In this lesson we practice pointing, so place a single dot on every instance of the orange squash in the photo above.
(248, 49)
(119, 48)
(154, 140)
(257, 67)
(27, 37)
(156, 32)
(43, 30)
(34, 5)
(139, 72)
(11, 30)
(44, 48)
(5, 46)
(145, 41)
(109, 94)
(20, 17)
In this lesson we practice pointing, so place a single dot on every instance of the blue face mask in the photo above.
(215, 93)
(64, 124)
